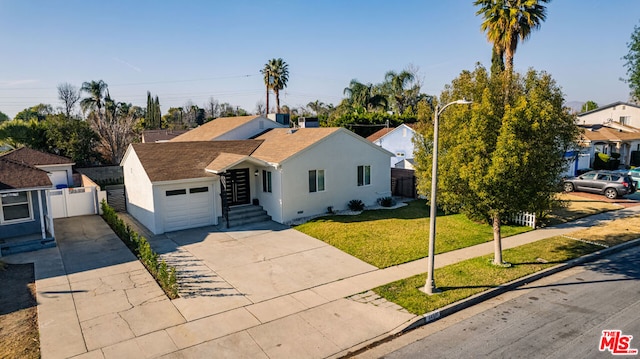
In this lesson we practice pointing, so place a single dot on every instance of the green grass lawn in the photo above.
(387, 237)
(466, 278)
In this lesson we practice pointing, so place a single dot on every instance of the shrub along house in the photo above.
(285, 173)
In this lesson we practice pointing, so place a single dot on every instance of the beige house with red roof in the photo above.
(286, 173)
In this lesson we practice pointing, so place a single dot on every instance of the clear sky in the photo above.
(194, 50)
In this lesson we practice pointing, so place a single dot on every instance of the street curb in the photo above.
(491, 293)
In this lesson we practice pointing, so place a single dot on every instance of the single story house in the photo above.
(291, 173)
(623, 113)
(25, 221)
(60, 169)
(398, 141)
(612, 138)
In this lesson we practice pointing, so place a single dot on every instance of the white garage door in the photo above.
(188, 207)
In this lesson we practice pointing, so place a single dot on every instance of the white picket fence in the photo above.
(524, 219)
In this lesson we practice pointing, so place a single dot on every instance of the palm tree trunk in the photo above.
(277, 92)
(266, 111)
(497, 240)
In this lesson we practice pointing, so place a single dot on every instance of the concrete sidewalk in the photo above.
(95, 300)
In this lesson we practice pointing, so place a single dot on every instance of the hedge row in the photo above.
(164, 274)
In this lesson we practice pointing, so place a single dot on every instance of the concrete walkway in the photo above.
(252, 292)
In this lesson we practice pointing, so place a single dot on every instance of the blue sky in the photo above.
(194, 50)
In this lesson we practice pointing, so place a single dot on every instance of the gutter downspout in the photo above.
(42, 226)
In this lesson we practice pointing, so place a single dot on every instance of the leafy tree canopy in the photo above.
(500, 155)
(633, 64)
(3, 117)
(588, 106)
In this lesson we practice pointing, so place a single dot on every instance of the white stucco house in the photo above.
(290, 173)
(622, 113)
(398, 141)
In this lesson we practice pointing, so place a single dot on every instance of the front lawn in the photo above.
(466, 278)
(387, 237)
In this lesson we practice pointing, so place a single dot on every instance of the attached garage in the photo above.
(187, 206)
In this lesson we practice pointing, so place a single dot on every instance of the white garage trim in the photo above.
(187, 205)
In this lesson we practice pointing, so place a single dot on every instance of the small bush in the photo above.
(386, 201)
(165, 275)
(355, 205)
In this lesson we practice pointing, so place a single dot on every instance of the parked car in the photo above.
(609, 183)
(635, 175)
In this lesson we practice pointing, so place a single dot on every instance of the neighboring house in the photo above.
(398, 141)
(230, 128)
(25, 223)
(150, 136)
(291, 173)
(59, 168)
(623, 113)
(612, 138)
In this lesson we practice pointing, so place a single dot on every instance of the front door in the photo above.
(237, 186)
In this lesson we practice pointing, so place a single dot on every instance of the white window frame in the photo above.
(365, 181)
(267, 182)
(29, 203)
(317, 182)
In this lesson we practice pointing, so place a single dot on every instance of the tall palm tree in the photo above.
(96, 91)
(364, 96)
(395, 86)
(508, 22)
(276, 76)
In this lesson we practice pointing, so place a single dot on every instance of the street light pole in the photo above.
(430, 287)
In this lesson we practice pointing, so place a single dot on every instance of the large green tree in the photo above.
(399, 90)
(153, 116)
(499, 156)
(365, 97)
(633, 64)
(38, 112)
(3, 117)
(276, 75)
(508, 22)
(588, 106)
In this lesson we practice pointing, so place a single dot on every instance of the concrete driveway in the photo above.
(268, 262)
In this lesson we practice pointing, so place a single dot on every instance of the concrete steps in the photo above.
(245, 215)
(13, 247)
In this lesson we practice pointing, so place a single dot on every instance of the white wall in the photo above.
(338, 155)
(399, 141)
(60, 174)
(249, 129)
(139, 191)
(614, 113)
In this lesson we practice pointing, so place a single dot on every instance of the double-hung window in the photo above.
(364, 175)
(266, 181)
(316, 181)
(15, 207)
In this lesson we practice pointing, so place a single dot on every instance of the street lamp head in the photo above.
(464, 101)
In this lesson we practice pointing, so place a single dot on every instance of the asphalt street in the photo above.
(559, 319)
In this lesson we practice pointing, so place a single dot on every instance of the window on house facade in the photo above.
(266, 181)
(316, 181)
(364, 175)
(15, 207)
(624, 120)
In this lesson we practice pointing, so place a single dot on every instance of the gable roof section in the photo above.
(35, 158)
(215, 128)
(379, 134)
(617, 103)
(604, 133)
(282, 143)
(17, 175)
(170, 161)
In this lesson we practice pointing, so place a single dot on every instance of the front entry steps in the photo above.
(241, 215)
